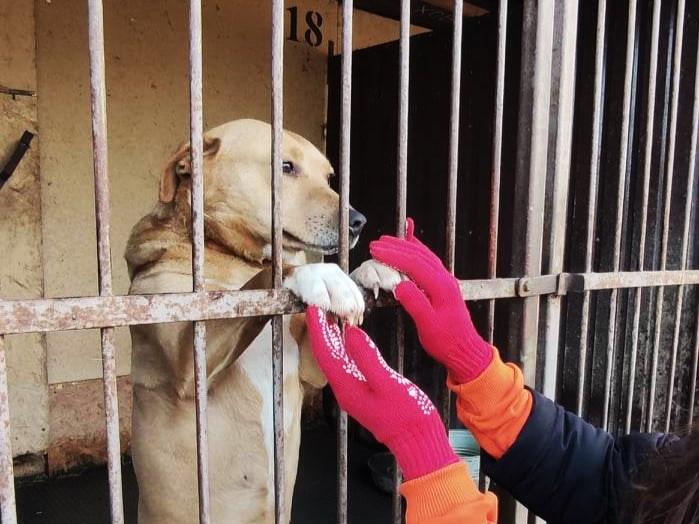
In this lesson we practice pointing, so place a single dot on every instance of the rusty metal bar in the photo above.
(676, 65)
(453, 171)
(454, 119)
(497, 159)
(196, 140)
(624, 159)
(567, 33)
(64, 314)
(401, 204)
(538, 158)
(98, 98)
(595, 154)
(695, 370)
(691, 175)
(692, 169)
(280, 503)
(8, 510)
(648, 160)
(343, 233)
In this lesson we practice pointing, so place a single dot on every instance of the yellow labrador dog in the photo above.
(237, 210)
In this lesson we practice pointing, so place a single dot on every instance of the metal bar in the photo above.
(691, 175)
(196, 140)
(277, 322)
(676, 65)
(595, 154)
(98, 97)
(648, 161)
(568, 34)
(497, 159)
(533, 238)
(623, 164)
(343, 233)
(8, 510)
(695, 370)
(454, 120)
(453, 172)
(401, 204)
(692, 171)
(64, 314)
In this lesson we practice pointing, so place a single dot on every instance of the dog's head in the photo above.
(237, 190)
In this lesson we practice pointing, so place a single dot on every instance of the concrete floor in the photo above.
(84, 499)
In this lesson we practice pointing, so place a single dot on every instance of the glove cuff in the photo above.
(423, 449)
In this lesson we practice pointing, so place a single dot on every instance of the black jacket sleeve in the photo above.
(568, 471)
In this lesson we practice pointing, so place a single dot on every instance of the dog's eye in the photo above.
(288, 168)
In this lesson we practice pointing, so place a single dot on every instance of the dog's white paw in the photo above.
(329, 288)
(376, 276)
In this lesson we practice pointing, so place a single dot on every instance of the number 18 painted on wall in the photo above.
(313, 36)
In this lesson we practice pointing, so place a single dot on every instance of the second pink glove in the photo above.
(433, 299)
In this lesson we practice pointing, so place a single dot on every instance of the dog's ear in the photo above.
(179, 167)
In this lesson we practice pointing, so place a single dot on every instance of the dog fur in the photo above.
(237, 224)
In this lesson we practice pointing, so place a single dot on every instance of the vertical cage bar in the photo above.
(695, 370)
(401, 203)
(567, 34)
(692, 171)
(98, 97)
(595, 154)
(453, 170)
(497, 159)
(196, 140)
(648, 161)
(8, 510)
(669, 175)
(345, 139)
(691, 175)
(540, 86)
(624, 159)
(277, 321)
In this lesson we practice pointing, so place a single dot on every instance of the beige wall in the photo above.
(43, 46)
(20, 228)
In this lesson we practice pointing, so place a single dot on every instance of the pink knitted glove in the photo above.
(395, 410)
(433, 299)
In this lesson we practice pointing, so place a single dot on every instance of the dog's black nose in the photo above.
(357, 221)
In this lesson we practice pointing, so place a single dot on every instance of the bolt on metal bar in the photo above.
(670, 168)
(277, 321)
(624, 159)
(401, 203)
(8, 509)
(196, 141)
(648, 161)
(497, 159)
(595, 154)
(343, 233)
(98, 97)
(453, 169)
(565, 69)
(691, 175)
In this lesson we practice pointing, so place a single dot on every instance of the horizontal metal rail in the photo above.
(63, 314)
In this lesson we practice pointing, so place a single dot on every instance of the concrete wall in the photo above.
(21, 275)
(50, 225)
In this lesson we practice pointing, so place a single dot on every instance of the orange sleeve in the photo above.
(494, 406)
(448, 496)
